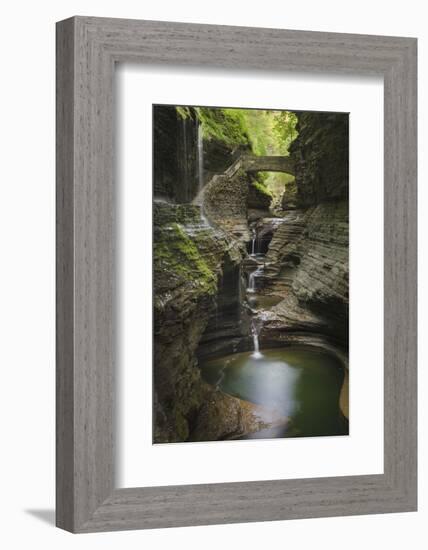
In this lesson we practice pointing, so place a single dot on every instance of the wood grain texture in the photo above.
(64, 277)
(87, 49)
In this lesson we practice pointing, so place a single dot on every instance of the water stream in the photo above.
(200, 174)
(253, 243)
(252, 279)
(200, 158)
(256, 353)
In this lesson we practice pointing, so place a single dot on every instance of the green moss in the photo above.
(261, 177)
(184, 112)
(225, 125)
(176, 252)
(264, 132)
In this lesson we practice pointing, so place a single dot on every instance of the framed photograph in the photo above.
(236, 274)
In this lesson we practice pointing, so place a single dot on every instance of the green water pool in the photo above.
(302, 384)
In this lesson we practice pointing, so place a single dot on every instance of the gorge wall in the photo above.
(175, 163)
(189, 263)
(308, 255)
(320, 158)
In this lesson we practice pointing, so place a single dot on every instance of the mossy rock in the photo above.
(176, 254)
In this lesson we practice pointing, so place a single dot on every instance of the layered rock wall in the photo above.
(175, 160)
(320, 157)
(307, 260)
(190, 261)
(225, 204)
(217, 157)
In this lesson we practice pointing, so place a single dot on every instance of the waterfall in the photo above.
(200, 155)
(252, 279)
(253, 243)
(256, 353)
(252, 282)
(221, 377)
(184, 162)
(251, 290)
(200, 158)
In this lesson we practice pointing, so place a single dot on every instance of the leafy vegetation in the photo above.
(260, 131)
(226, 125)
(263, 132)
(184, 112)
(262, 188)
(276, 183)
(178, 254)
(284, 128)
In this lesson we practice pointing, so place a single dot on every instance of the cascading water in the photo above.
(253, 243)
(185, 156)
(256, 353)
(200, 158)
(254, 326)
(252, 279)
(200, 149)
(252, 282)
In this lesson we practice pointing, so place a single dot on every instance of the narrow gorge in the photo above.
(250, 274)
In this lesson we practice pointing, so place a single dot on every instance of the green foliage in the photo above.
(264, 132)
(178, 254)
(276, 183)
(285, 129)
(259, 182)
(262, 177)
(225, 125)
(261, 187)
(183, 112)
(260, 129)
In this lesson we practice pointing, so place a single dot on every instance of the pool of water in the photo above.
(302, 384)
(268, 301)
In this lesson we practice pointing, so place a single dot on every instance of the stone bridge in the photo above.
(252, 163)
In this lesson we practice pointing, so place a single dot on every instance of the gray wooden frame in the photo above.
(87, 50)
